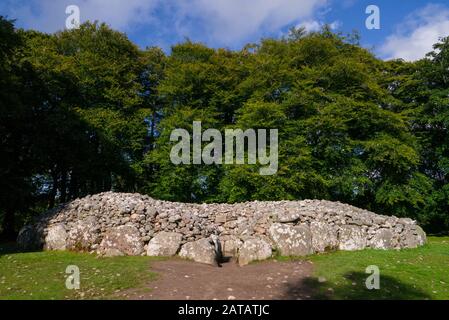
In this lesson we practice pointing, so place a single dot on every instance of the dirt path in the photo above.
(184, 280)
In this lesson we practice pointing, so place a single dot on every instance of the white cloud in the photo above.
(224, 22)
(234, 20)
(311, 26)
(315, 25)
(50, 16)
(417, 34)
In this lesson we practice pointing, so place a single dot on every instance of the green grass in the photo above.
(41, 275)
(421, 273)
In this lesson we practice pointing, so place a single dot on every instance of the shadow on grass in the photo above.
(353, 288)
(9, 248)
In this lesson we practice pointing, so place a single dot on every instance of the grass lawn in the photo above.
(421, 273)
(41, 275)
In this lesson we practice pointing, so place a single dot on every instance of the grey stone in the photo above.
(112, 252)
(83, 235)
(414, 237)
(309, 225)
(56, 238)
(231, 245)
(30, 238)
(254, 250)
(351, 238)
(292, 241)
(221, 218)
(123, 239)
(324, 236)
(174, 218)
(164, 244)
(199, 251)
(288, 216)
(382, 239)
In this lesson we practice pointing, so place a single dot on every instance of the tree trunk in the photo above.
(63, 186)
(73, 187)
(54, 190)
(152, 131)
(9, 232)
(108, 182)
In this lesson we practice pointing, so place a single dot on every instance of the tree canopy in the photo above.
(85, 110)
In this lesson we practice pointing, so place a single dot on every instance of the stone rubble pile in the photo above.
(112, 224)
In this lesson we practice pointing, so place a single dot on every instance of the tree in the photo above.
(20, 90)
(85, 111)
(199, 83)
(423, 88)
(94, 117)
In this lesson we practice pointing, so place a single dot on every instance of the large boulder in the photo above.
(382, 239)
(230, 245)
(292, 240)
(352, 238)
(56, 238)
(324, 236)
(122, 240)
(199, 251)
(414, 236)
(30, 237)
(84, 235)
(164, 244)
(253, 250)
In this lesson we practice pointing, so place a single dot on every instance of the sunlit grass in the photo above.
(42, 275)
(421, 273)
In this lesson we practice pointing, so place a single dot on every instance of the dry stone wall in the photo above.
(113, 224)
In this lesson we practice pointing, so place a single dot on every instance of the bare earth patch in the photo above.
(185, 280)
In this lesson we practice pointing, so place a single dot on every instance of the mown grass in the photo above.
(421, 273)
(42, 275)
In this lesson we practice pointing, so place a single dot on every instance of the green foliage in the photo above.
(423, 88)
(85, 111)
(18, 91)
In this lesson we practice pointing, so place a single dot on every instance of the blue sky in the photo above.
(408, 27)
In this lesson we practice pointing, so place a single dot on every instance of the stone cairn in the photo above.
(111, 224)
